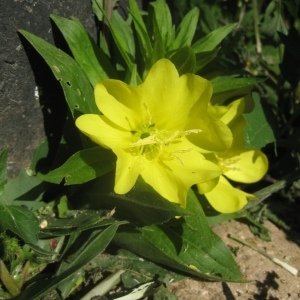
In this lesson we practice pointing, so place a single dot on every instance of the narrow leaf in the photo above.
(124, 31)
(78, 91)
(96, 10)
(96, 246)
(141, 30)
(213, 39)
(186, 29)
(82, 167)
(203, 58)
(158, 46)
(92, 60)
(163, 20)
(233, 82)
(120, 37)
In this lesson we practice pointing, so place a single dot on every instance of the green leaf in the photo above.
(78, 91)
(186, 29)
(124, 32)
(203, 58)
(141, 30)
(141, 205)
(92, 60)
(158, 46)
(139, 270)
(132, 76)
(40, 154)
(163, 20)
(233, 82)
(25, 189)
(62, 206)
(213, 39)
(123, 37)
(184, 60)
(231, 87)
(3, 173)
(20, 221)
(76, 221)
(82, 167)
(189, 246)
(213, 217)
(258, 131)
(96, 10)
(96, 246)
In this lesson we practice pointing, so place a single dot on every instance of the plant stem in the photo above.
(104, 286)
(7, 280)
(269, 190)
(278, 262)
(256, 29)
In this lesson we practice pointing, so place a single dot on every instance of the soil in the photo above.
(266, 280)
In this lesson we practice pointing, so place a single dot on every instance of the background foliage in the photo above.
(62, 238)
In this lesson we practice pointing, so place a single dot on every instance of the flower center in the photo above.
(152, 143)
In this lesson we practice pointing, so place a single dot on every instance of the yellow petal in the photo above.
(228, 113)
(172, 177)
(215, 135)
(103, 132)
(127, 171)
(171, 98)
(250, 166)
(207, 186)
(225, 198)
(120, 104)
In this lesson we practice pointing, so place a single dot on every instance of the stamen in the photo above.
(152, 143)
(148, 113)
(181, 151)
(187, 132)
(152, 139)
(229, 164)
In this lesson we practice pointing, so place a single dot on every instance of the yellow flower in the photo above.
(227, 199)
(158, 130)
(237, 163)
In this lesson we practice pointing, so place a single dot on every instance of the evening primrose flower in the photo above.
(158, 130)
(238, 163)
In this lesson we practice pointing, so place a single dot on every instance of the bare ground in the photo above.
(266, 279)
